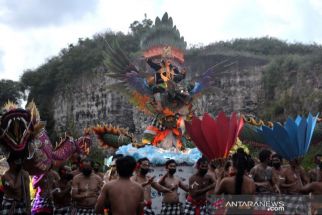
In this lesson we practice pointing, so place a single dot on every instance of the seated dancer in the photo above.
(62, 196)
(199, 184)
(170, 201)
(96, 168)
(111, 174)
(238, 182)
(86, 187)
(143, 167)
(16, 199)
(123, 196)
(44, 184)
(315, 188)
(314, 174)
(263, 175)
(165, 72)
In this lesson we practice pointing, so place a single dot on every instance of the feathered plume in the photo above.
(215, 138)
(163, 40)
(291, 140)
(206, 79)
(35, 117)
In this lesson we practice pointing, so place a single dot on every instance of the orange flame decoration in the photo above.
(215, 138)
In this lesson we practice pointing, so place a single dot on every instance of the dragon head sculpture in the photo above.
(16, 127)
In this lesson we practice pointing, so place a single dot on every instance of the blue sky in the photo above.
(31, 31)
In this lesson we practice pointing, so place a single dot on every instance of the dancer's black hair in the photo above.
(240, 162)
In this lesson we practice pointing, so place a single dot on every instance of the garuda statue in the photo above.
(159, 88)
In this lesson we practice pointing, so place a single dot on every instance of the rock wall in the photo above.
(88, 101)
(239, 88)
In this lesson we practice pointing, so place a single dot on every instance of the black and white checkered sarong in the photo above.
(62, 211)
(171, 209)
(295, 204)
(148, 211)
(41, 204)
(190, 209)
(10, 206)
(85, 211)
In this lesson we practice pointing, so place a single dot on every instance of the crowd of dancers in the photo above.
(126, 186)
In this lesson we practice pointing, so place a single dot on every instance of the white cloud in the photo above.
(203, 21)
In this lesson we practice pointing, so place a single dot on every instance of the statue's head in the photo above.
(15, 127)
(166, 62)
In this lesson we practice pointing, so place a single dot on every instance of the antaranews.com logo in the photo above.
(267, 205)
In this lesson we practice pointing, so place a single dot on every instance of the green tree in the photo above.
(138, 29)
(10, 90)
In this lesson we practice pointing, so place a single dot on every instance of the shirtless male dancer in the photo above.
(111, 174)
(265, 179)
(143, 167)
(240, 182)
(62, 195)
(315, 188)
(97, 169)
(295, 178)
(16, 198)
(199, 184)
(170, 202)
(122, 195)
(86, 187)
(314, 174)
(278, 170)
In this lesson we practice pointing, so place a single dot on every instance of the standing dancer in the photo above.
(199, 184)
(15, 181)
(147, 182)
(122, 195)
(170, 202)
(62, 197)
(85, 189)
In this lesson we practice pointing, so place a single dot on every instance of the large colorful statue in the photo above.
(160, 90)
(22, 136)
